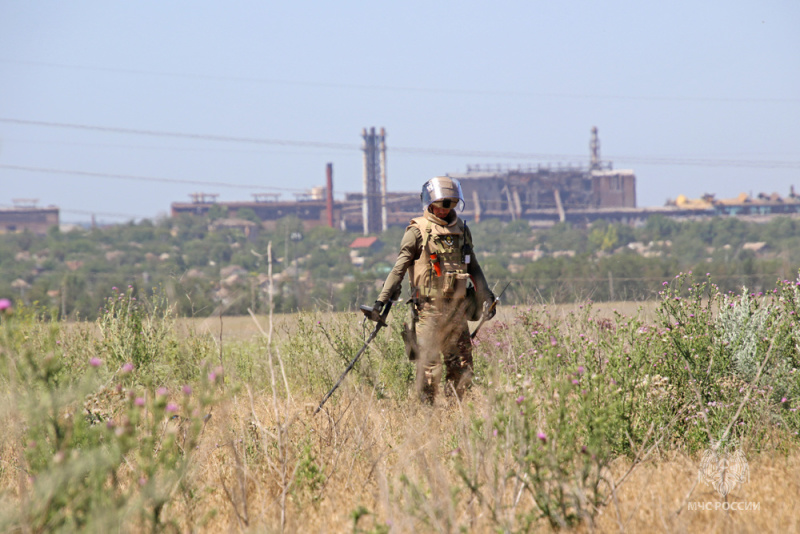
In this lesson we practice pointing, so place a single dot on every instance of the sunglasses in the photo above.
(446, 203)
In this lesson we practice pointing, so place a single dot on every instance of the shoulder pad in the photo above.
(417, 222)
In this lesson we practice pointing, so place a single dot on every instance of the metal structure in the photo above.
(204, 198)
(594, 150)
(544, 192)
(374, 200)
(329, 193)
(26, 215)
(540, 194)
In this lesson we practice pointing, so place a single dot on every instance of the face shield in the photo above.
(442, 190)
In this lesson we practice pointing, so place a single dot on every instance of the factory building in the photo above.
(743, 205)
(548, 193)
(311, 210)
(543, 193)
(25, 215)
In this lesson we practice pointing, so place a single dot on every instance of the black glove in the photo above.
(378, 307)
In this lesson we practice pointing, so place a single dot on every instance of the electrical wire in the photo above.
(147, 178)
(410, 89)
(172, 148)
(180, 135)
(643, 160)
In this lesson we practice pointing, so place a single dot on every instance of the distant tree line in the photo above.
(204, 269)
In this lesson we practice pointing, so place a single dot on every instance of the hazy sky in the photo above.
(695, 96)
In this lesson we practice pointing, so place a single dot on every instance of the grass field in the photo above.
(585, 418)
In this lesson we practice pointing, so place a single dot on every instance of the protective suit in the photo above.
(447, 287)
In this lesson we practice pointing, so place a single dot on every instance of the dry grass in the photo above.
(265, 463)
(376, 454)
(242, 328)
(367, 447)
(656, 498)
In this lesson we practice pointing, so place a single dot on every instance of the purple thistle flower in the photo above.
(95, 362)
(520, 399)
(127, 368)
(187, 389)
(162, 391)
(542, 437)
(171, 407)
(139, 401)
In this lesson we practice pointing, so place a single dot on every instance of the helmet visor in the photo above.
(441, 191)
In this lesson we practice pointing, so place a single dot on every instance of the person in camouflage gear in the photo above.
(447, 287)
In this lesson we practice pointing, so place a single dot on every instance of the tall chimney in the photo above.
(329, 193)
(364, 205)
(594, 147)
(384, 222)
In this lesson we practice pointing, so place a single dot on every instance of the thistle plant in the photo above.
(99, 448)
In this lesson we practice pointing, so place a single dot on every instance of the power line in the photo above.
(161, 148)
(644, 160)
(182, 135)
(702, 162)
(145, 178)
(410, 89)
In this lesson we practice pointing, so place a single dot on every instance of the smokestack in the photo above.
(329, 193)
(594, 146)
(364, 206)
(372, 182)
(384, 223)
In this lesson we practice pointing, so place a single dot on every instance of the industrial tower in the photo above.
(374, 201)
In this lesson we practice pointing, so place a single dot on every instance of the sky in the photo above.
(119, 109)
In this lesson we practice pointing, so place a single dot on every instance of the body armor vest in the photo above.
(441, 269)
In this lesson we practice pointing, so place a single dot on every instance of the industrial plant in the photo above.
(26, 215)
(540, 194)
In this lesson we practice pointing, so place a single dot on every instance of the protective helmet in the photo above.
(441, 188)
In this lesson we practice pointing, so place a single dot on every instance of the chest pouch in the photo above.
(454, 285)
